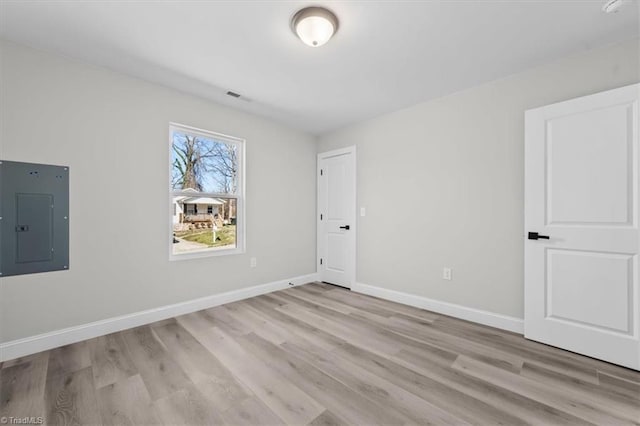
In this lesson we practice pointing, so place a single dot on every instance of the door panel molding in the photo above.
(619, 148)
(620, 296)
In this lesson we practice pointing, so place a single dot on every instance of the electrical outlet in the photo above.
(253, 262)
(363, 211)
(447, 274)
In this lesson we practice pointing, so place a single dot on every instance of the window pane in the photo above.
(204, 223)
(203, 164)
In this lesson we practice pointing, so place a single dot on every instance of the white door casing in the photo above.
(582, 191)
(337, 216)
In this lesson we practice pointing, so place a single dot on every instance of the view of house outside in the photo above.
(204, 184)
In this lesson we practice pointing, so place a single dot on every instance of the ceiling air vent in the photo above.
(233, 94)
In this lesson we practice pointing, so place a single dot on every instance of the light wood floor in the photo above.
(319, 355)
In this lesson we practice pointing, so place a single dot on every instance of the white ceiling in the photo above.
(386, 55)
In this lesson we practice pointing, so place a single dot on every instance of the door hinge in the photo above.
(321, 261)
(320, 172)
(320, 216)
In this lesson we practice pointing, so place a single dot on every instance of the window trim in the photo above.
(239, 196)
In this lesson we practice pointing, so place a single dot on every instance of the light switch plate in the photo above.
(447, 274)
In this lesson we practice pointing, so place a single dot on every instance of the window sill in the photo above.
(205, 253)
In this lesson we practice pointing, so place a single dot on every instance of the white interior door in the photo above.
(337, 217)
(581, 191)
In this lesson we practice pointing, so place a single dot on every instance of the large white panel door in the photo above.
(581, 226)
(337, 217)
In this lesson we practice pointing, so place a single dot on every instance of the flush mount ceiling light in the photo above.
(314, 25)
(612, 6)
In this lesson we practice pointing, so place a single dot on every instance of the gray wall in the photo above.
(112, 131)
(442, 182)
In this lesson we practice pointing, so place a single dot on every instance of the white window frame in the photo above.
(239, 196)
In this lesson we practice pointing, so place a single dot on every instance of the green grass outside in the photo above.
(224, 236)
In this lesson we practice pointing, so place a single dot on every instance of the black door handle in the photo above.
(536, 236)
(345, 227)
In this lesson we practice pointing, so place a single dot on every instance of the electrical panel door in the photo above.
(34, 218)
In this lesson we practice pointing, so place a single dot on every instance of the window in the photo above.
(206, 192)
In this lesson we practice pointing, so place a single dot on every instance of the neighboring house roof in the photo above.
(185, 199)
(200, 200)
(179, 198)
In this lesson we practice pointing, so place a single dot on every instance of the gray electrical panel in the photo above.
(34, 218)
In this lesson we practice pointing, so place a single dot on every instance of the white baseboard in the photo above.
(491, 319)
(42, 342)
